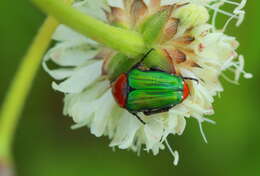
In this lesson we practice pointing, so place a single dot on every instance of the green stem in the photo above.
(20, 87)
(122, 40)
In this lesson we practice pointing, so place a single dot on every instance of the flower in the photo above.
(196, 47)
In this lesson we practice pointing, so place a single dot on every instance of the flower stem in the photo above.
(127, 42)
(20, 87)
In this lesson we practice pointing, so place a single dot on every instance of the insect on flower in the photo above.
(149, 91)
(180, 76)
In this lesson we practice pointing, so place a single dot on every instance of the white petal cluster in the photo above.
(238, 13)
(72, 62)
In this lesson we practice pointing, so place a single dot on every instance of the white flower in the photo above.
(88, 98)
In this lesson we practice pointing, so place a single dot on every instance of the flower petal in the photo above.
(64, 33)
(81, 106)
(80, 79)
(126, 130)
(71, 53)
(102, 114)
(153, 131)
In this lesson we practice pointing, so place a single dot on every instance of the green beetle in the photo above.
(149, 91)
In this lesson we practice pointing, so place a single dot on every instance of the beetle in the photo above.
(149, 91)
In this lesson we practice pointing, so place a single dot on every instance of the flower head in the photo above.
(191, 45)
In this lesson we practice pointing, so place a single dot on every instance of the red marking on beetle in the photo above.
(186, 90)
(119, 90)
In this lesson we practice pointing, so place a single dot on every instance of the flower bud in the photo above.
(158, 59)
(117, 64)
(191, 15)
(152, 27)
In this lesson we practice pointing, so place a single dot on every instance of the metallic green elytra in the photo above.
(149, 91)
(153, 90)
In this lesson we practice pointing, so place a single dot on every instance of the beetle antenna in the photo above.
(139, 118)
(192, 79)
(146, 54)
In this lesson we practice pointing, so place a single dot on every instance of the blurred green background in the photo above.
(45, 145)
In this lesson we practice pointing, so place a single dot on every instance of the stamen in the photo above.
(214, 18)
(227, 23)
(237, 14)
(202, 131)
(237, 67)
(221, 11)
(231, 2)
(209, 121)
(175, 153)
(248, 75)
(229, 80)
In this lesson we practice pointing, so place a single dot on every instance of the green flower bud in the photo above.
(152, 27)
(158, 59)
(117, 64)
(120, 63)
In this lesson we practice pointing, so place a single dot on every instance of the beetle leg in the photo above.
(156, 69)
(156, 111)
(138, 117)
(192, 79)
(146, 54)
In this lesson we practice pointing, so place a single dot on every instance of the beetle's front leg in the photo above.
(192, 79)
(138, 117)
(156, 111)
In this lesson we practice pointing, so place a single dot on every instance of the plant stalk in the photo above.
(20, 88)
(127, 42)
